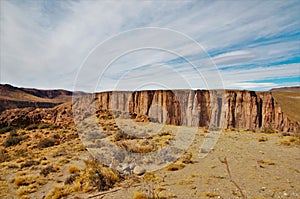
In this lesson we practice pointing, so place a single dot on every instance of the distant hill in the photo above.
(286, 89)
(14, 97)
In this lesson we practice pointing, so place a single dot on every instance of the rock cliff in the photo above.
(221, 109)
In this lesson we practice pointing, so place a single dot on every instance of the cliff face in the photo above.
(222, 109)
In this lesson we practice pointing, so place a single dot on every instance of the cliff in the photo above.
(221, 109)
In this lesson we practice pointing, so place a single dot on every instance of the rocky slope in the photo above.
(12, 97)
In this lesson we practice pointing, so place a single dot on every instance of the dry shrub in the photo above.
(139, 195)
(211, 195)
(71, 179)
(4, 156)
(73, 169)
(45, 171)
(48, 142)
(24, 190)
(285, 142)
(175, 166)
(292, 140)
(13, 139)
(151, 177)
(29, 163)
(100, 176)
(262, 139)
(268, 130)
(186, 158)
(25, 180)
(7, 129)
(135, 147)
(32, 127)
(120, 135)
(57, 193)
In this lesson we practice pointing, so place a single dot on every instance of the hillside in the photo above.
(13, 97)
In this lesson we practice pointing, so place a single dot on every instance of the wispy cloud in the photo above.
(44, 43)
(233, 57)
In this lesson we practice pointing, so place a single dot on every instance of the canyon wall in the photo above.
(216, 109)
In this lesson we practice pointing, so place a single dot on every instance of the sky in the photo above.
(134, 45)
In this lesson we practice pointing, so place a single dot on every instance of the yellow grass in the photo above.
(290, 103)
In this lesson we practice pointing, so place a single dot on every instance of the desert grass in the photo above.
(290, 103)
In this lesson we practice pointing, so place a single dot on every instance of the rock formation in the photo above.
(222, 109)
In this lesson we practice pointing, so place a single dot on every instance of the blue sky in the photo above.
(62, 44)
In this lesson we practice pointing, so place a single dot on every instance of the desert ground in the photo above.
(52, 158)
(51, 162)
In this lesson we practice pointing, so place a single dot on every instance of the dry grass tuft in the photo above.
(175, 166)
(100, 176)
(211, 195)
(262, 139)
(4, 156)
(48, 142)
(25, 180)
(47, 170)
(73, 169)
(139, 195)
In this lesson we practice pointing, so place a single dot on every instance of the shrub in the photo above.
(47, 170)
(7, 129)
(73, 169)
(186, 158)
(175, 167)
(44, 125)
(3, 155)
(47, 142)
(29, 163)
(71, 179)
(268, 130)
(100, 176)
(25, 180)
(139, 195)
(24, 190)
(32, 127)
(262, 139)
(13, 139)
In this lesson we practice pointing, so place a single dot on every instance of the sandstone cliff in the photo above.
(222, 109)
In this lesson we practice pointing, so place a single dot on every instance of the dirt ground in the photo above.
(261, 166)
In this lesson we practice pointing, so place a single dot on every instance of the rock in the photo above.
(228, 109)
(139, 170)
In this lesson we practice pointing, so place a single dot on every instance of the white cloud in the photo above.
(233, 57)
